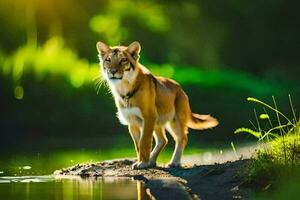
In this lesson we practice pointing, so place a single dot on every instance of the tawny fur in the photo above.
(148, 105)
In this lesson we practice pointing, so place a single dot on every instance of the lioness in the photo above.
(148, 104)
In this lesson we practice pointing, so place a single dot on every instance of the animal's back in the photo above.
(168, 92)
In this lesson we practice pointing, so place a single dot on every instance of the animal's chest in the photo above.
(130, 115)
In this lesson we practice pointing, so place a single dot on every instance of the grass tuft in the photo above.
(279, 140)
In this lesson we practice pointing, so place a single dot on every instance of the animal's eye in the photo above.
(107, 59)
(123, 60)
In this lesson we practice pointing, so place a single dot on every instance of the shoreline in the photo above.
(216, 181)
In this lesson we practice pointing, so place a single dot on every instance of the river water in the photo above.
(50, 187)
(25, 176)
(29, 176)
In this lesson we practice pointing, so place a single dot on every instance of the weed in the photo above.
(279, 140)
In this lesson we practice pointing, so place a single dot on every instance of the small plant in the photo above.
(281, 134)
(279, 139)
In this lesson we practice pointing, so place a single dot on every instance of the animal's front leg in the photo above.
(135, 133)
(145, 144)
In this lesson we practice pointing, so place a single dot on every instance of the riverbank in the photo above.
(217, 181)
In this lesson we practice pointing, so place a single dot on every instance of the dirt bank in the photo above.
(217, 181)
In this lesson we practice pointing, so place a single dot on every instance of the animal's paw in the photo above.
(141, 165)
(133, 166)
(152, 163)
(174, 165)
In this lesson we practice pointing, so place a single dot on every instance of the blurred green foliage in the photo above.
(256, 36)
(52, 58)
(111, 23)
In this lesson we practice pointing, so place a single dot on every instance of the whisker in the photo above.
(99, 82)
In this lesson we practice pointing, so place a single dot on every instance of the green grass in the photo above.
(278, 159)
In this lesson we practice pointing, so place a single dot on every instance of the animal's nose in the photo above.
(113, 71)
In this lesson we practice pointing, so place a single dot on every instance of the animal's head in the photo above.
(118, 62)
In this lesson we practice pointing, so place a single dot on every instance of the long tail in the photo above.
(201, 122)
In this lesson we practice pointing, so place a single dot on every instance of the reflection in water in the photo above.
(142, 193)
(48, 187)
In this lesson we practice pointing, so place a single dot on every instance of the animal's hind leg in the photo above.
(178, 127)
(160, 142)
(179, 133)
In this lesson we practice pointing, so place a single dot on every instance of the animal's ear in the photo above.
(102, 48)
(134, 50)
